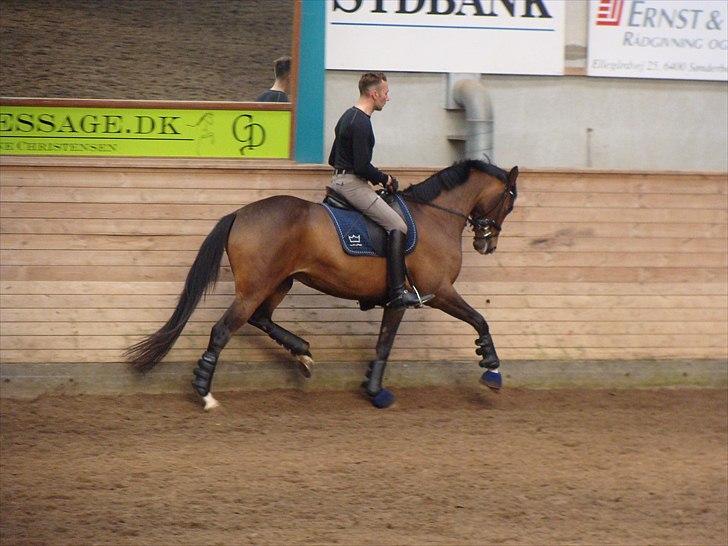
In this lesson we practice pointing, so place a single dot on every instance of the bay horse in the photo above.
(274, 241)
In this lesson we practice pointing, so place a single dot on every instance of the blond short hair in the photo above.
(369, 80)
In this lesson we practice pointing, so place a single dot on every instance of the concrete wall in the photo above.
(553, 122)
(544, 122)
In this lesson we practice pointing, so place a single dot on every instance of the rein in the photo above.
(434, 206)
(478, 223)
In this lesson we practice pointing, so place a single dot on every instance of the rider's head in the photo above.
(373, 87)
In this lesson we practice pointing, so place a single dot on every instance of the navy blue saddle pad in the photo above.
(361, 236)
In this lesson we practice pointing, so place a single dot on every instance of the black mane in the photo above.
(451, 177)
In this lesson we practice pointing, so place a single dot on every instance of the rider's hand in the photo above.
(392, 184)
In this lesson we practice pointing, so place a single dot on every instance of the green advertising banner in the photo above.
(144, 132)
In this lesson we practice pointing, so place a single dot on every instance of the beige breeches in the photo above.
(361, 195)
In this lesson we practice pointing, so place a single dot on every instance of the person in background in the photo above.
(282, 85)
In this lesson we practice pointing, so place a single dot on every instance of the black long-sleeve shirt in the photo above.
(273, 96)
(354, 145)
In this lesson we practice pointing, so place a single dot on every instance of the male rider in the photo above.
(351, 157)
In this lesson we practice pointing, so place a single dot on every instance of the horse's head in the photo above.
(494, 204)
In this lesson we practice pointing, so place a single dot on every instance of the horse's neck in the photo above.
(461, 199)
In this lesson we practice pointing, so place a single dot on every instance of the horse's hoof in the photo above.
(305, 365)
(492, 379)
(383, 399)
(210, 402)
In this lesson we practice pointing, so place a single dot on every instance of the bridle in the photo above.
(482, 224)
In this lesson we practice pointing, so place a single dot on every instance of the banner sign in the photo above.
(474, 36)
(672, 39)
(143, 132)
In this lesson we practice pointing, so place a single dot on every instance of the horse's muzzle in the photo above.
(484, 245)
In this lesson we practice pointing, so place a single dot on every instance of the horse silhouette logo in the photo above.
(205, 132)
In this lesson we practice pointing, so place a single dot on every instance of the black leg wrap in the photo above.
(486, 349)
(204, 372)
(283, 337)
(374, 376)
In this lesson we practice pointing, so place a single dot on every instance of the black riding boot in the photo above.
(398, 296)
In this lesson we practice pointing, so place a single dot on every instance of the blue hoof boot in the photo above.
(383, 399)
(492, 379)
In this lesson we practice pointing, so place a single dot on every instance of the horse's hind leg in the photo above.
(262, 319)
(232, 320)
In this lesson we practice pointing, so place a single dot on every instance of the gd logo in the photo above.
(250, 134)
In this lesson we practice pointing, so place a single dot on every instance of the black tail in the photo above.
(201, 277)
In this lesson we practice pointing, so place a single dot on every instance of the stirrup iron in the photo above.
(422, 300)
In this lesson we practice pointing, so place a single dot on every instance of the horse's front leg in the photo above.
(454, 305)
(381, 397)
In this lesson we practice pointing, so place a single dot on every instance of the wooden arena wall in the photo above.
(590, 265)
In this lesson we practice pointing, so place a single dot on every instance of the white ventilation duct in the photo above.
(470, 94)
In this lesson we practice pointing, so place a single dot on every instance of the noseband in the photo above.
(483, 227)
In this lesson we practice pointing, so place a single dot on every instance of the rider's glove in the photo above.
(393, 185)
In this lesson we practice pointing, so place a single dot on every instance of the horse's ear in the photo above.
(513, 175)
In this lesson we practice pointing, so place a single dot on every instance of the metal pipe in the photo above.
(473, 96)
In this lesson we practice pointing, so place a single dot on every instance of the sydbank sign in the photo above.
(477, 36)
(675, 39)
